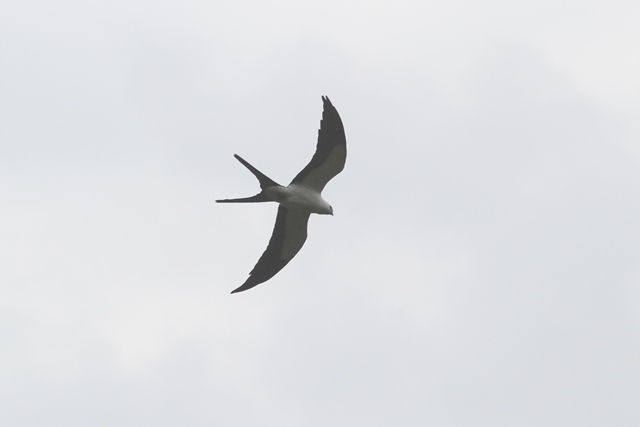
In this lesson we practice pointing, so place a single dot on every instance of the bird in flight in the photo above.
(299, 199)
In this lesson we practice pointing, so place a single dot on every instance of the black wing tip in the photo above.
(328, 108)
(248, 284)
(241, 288)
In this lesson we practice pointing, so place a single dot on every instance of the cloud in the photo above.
(481, 267)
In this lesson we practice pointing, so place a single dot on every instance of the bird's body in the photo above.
(298, 200)
(297, 196)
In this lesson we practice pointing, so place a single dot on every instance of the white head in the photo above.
(324, 208)
(301, 196)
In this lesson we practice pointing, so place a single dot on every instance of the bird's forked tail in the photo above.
(265, 182)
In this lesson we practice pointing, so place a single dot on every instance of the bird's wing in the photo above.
(331, 151)
(289, 234)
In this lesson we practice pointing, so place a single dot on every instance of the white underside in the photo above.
(298, 196)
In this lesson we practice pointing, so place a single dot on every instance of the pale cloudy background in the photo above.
(482, 269)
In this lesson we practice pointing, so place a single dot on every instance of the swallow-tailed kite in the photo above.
(298, 200)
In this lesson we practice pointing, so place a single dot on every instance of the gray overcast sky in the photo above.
(482, 268)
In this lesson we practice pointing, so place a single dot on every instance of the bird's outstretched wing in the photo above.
(289, 234)
(331, 151)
